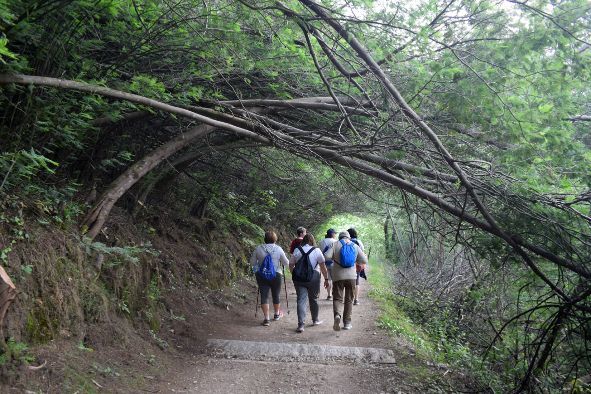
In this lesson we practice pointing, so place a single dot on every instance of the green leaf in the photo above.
(545, 108)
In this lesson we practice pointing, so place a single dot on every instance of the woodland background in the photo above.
(461, 128)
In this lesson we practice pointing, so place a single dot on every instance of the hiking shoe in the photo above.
(328, 298)
(278, 316)
(317, 322)
(347, 326)
(337, 323)
(300, 328)
(266, 322)
(356, 302)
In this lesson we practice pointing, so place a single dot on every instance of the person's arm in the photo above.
(319, 257)
(324, 273)
(361, 257)
(361, 245)
(253, 257)
(283, 258)
(292, 262)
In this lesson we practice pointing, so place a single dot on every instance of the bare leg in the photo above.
(265, 309)
(277, 308)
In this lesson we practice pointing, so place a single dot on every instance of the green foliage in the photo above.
(153, 295)
(16, 351)
(148, 86)
(432, 341)
(369, 228)
(119, 255)
(22, 166)
(481, 75)
(4, 51)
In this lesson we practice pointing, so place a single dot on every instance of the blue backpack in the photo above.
(267, 268)
(348, 254)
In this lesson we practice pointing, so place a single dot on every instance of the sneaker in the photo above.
(300, 328)
(266, 322)
(337, 323)
(317, 322)
(278, 316)
(347, 326)
(328, 298)
(356, 302)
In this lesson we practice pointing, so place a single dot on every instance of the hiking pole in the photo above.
(285, 288)
(256, 307)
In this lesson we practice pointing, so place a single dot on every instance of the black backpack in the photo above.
(303, 270)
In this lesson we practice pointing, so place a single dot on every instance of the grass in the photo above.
(392, 318)
(429, 346)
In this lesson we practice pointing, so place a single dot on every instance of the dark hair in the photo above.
(300, 230)
(352, 232)
(270, 237)
(309, 240)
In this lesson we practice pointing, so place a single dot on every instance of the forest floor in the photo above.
(227, 350)
(212, 343)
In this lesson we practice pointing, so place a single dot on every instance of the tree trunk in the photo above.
(95, 219)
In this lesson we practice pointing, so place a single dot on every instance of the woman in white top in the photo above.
(279, 259)
(309, 291)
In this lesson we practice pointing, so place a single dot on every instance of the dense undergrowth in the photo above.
(432, 342)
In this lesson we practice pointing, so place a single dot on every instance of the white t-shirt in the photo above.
(359, 243)
(316, 256)
(327, 242)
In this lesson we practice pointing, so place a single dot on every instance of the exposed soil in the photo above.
(208, 369)
(179, 358)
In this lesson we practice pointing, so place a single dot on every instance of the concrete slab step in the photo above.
(297, 352)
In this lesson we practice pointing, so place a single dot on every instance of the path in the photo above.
(235, 355)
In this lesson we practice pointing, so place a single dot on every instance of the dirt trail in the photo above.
(229, 360)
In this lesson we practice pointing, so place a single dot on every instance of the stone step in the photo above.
(297, 352)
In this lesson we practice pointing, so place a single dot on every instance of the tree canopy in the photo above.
(472, 114)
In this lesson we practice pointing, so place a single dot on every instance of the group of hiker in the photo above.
(339, 262)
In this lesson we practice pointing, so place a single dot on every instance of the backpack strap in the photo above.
(326, 248)
(310, 251)
(307, 253)
(299, 247)
(269, 252)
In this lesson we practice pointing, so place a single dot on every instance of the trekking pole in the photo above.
(285, 288)
(256, 307)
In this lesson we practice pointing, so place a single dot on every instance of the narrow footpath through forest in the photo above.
(237, 354)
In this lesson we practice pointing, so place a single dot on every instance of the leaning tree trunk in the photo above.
(7, 295)
(98, 214)
(95, 219)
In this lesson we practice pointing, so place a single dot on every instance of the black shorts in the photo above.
(265, 285)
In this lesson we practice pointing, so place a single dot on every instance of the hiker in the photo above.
(306, 278)
(325, 244)
(268, 275)
(346, 255)
(360, 268)
(301, 231)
